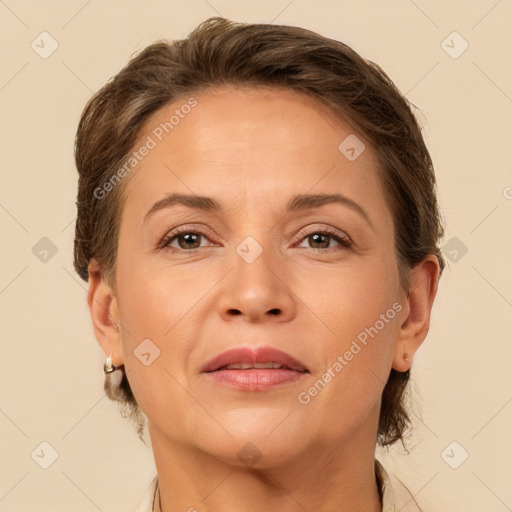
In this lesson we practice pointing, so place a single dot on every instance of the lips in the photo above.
(245, 359)
(261, 369)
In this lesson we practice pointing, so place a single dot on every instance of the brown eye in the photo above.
(319, 240)
(323, 239)
(186, 241)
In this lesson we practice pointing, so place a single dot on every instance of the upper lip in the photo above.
(245, 355)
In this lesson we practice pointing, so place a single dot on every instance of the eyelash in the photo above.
(344, 241)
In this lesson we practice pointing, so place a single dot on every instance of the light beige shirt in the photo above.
(391, 501)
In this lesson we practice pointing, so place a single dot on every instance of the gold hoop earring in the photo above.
(108, 367)
(113, 378)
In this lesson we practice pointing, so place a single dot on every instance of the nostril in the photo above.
(274, 311)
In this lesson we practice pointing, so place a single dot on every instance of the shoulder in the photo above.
(146, 503)
(395, 495)
(404, 500)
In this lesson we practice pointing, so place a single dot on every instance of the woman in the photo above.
(258, 224)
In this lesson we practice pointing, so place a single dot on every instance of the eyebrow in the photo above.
(297, 203)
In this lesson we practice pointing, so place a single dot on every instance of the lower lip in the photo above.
(254, 379)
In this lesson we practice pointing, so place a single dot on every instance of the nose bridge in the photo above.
(255, 261)
(257, 287)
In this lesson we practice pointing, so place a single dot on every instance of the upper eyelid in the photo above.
(326, 228)
(303, 233)
(202, 229)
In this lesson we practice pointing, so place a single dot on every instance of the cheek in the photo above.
(154, 308)
(348, 389)
(152, 297)
(158, 303)
(350, 298)
(359, 308)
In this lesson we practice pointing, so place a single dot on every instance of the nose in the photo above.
(257, 291)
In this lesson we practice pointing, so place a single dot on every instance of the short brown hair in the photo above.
(220, 51)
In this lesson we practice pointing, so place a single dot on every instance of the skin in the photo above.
(252, 150)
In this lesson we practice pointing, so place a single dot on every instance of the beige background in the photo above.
(51, 373)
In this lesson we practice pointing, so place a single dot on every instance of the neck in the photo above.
(322, 479)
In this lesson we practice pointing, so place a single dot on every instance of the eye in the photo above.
(186, 239)
(189, 240)
(322, 239)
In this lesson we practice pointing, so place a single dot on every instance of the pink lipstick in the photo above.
(254, 369)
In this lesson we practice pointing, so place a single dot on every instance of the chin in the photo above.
(260, 438)
(260, 453)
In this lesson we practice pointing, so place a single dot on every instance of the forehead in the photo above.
(252, 144)
(240, 115)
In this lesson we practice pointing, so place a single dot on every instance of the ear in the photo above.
(422, 292)
(104, 313)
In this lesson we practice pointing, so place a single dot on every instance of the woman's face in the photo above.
(266, 270)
